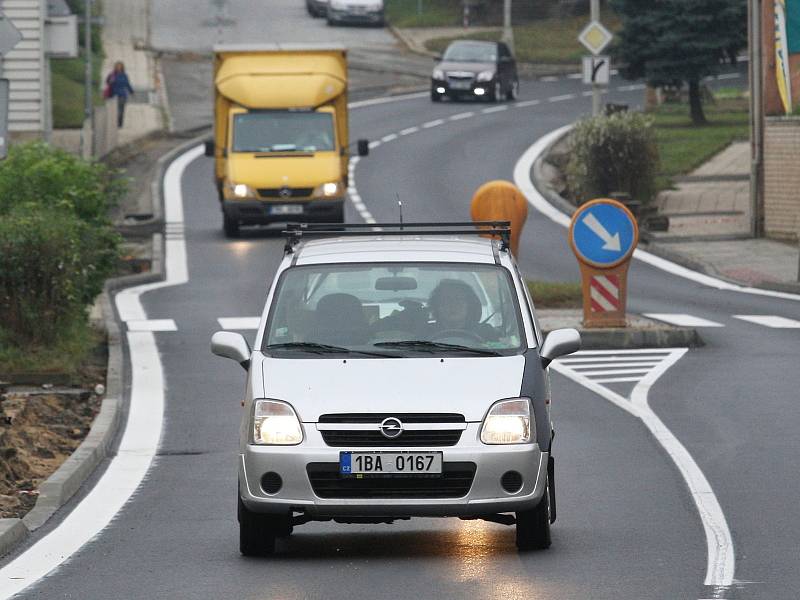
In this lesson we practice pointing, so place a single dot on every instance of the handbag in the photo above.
(107, 91)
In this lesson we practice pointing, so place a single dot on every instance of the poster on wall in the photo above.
(782, 57)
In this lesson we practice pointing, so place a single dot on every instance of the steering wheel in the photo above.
(461, 333)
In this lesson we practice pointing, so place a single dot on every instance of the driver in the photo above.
(455, 307)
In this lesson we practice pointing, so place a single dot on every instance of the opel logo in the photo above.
(391, 428)
(285, 192)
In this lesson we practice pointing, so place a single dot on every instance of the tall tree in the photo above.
(672, 42)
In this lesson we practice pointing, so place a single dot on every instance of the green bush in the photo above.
(617, 153)
(52, 265)
(37, 175)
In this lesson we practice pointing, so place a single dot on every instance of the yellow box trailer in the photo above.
(281, 140)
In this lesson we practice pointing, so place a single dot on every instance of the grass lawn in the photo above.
(435, 13)
(547, 294)
(683, 146)
(65, 356)
(550, 41)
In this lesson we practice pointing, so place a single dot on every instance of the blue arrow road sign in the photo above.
(603, 233)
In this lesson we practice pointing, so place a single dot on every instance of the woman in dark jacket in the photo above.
(120, 87)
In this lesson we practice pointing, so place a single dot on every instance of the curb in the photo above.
(57, 489)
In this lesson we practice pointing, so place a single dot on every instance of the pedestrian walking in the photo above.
(118, 85)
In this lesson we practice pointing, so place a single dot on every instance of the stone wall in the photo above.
(782, 178)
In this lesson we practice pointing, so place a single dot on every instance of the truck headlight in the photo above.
(275, 423)
(240, 190)
(328, 189)
(485, 76)
(508, 422)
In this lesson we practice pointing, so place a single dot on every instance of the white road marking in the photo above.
(631, 88)
(374, 144)
(527, 103)
(522, 180)
(409, 130)
(729, 76)
(575, 76)
(682, 320)
(142, 432)
(494, 109)
(387, 100)
(587, 93)
(644, 365)
(389, 138)
(152, 325)
(460, 116)
(434, 123)
(772, 321)
(548, 78)
(561, 98)
(239, 323)
(720, 563)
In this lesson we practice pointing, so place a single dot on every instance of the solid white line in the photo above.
(522, 179)
(494, 109)
(770, 321)
(617, 379)
(140, 439)
(409, 130)
(562, 97)
(614, 372)
(460, 116)
(683, 320)
(152, 325)
(526, 103)
(387, 100)
(434, 123)
(239, 323)
(597, 364)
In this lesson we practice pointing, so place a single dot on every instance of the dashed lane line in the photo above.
(494, 109)
(460, 116)
(526, 103)
(562, 97)
(409, 130)
(434, 123)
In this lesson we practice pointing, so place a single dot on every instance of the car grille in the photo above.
(285, 192)
(357, 438)
(454, 482)
(460, 76)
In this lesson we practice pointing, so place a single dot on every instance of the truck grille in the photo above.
(357, 438)
(285, 192)
(454, 482)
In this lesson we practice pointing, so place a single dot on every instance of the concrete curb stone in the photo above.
(57, 489)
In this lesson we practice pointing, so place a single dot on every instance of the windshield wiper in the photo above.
(316, 348)
(427, 345)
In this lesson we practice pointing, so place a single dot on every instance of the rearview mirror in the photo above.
(209, 146)
(395, 284)
(363, 147)
(559, 342)
(228, 344)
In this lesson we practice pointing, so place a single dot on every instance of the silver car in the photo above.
(368, 12)
(395, 374)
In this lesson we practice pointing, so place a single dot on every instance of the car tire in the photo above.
(435, 97)
(258, 532)
(533, 526)
(338, 215)
(497, 93)
(230, 226)
(513, 91)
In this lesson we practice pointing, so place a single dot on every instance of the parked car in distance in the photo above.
(396, 374)
(368, 12)
(475, 69)
(317, 8)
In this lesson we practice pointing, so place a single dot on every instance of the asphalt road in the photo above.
(628, 526)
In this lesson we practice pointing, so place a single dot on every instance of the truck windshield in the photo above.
(390, 309)
(277, 131)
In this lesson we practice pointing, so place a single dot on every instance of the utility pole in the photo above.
(596, 98)
(508, 32)
(88, 96)
(756, 68)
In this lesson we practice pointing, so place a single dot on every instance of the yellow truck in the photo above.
(280, 146)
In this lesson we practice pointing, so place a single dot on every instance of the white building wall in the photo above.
(26, 67)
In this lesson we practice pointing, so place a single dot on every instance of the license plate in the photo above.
(390, 463)
(286, 209)
(460, 85)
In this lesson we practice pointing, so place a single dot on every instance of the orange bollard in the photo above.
(501, 201)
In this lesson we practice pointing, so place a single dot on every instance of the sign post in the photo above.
(595, 38)
(603, 235)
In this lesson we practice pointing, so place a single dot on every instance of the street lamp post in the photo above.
(756, 113)
(508, 32)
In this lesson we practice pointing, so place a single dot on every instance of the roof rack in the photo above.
(295, 232)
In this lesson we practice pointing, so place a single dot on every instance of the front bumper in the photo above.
(472, 89)
(259, 212)
(485, 496)
(349, 16)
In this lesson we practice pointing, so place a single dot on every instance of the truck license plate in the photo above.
(390, 463)
(286, 209)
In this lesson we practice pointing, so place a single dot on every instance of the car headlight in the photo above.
(328, 190)
(509, 422)
(485, 76)
(275, 423)
(438, 74)
(241, 190)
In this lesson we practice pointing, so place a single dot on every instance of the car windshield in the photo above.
(466, 52)
(388, 309)
(283, 131)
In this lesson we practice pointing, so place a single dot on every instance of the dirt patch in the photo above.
(38, 432)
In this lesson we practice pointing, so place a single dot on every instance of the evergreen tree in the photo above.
(671, 42)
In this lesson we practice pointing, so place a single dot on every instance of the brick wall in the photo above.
(782, 178)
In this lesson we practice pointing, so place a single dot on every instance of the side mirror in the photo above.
(209, 145)
(559, 342)
(363, 147)
(231, 345)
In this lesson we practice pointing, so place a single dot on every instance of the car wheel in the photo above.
(257, 533)
(513, 91)
(435, 96)
(497, 92)
(230, 225)
(533, 526)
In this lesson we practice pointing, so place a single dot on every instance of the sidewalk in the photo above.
(125, 38)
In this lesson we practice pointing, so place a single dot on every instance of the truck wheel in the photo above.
(533, 526)
(257, 532)
(230, 225)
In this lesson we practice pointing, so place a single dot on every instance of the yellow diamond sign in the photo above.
(595, 37)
